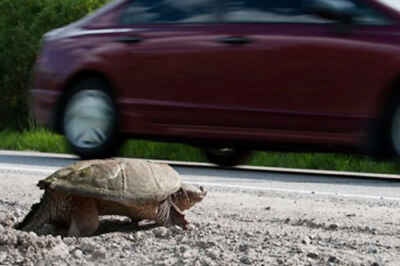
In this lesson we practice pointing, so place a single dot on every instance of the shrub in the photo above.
(22, 24)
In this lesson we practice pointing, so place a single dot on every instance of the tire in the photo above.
(394, 132)
(227, 156)
(90, 120)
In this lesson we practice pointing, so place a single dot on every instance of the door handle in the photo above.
(235, 40)
(129, 40)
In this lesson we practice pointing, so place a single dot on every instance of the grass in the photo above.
(45, 141)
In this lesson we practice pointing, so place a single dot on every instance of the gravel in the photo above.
(230, 227)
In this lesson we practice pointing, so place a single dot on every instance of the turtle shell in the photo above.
(123, 180)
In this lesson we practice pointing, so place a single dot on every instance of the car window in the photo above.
(169, 11)
(395, 4)
(292, 11)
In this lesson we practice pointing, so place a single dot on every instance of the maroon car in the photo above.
(226, 75)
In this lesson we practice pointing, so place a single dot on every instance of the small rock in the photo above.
(305, 241)
(187, 254)
(7, 220)
(207, 262)
(312, 255)
(189, 227)
(213, 253)
(372, 250)
(245, 260)
(268, 208)
(333, 226)
(77, 253)
(160, 232)
(243, 247)
(205, 244)
(333, 259)
(183, 248)
(69, 240)
(248, 234)
(8, 239)
(100, 253)
(87, 245)
(59, 251)
(139, 235)
(3, 256)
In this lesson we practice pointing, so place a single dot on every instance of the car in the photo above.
(229, 76)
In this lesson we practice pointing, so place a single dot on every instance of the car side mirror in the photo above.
(338, 10)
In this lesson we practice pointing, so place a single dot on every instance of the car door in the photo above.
(169, 67)
(299, 74)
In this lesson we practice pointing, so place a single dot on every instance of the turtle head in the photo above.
(188, 195)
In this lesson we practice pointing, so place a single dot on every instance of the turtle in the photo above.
(75, 196)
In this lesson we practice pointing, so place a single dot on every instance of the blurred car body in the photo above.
(227, 75)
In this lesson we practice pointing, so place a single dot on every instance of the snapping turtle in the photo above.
(75, 196)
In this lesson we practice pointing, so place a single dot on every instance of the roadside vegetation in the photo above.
(22, 25)
(45, 141)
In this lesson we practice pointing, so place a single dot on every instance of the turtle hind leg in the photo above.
(84, 217)
(169, 214)
(39, 214)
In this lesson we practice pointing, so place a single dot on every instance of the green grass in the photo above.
(45, 141)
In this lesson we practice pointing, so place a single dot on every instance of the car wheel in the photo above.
(89, 120)
(227, 156)
(395, 132)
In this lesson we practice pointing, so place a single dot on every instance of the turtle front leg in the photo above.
(84, 217)
(169, 214)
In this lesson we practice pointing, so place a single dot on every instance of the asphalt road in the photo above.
(43, 164)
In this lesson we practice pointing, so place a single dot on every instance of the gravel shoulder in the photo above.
(230, 227)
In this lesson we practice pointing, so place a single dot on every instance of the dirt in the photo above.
(230, 227)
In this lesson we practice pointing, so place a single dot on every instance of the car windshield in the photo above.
(395, 4)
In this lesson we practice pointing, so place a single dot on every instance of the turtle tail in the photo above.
(38, 215)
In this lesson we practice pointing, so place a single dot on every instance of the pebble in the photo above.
(87, 246)
(245, 260)
(305, 241)
(208, 262)
(139, 235)
(372, 250)
(59, 251)
(3, 256)
(333, 226)
(248, 234)
(333, 259)
(312, 255)
(77, 253)
(243, 247)
(161, 232)
(100, 253)
(205, 244)
(213, 253)
(69, 240)
(187, 254)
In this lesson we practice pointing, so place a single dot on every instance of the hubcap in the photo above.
(89, 119)
(226, 151)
